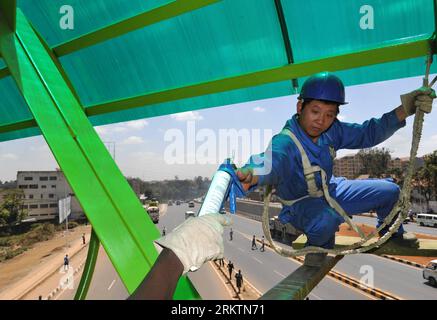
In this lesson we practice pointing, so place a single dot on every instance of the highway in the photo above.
(262, 269)
(265, 269)
(410, 227)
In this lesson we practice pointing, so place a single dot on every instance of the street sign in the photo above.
(64, 208)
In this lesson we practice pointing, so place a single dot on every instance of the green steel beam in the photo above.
(120, 222)
(342, 62)
(167, 11)
(391, 53)
(4, 73)
(8, 9)
(25, 124)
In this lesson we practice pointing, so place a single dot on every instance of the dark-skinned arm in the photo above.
(160, 283)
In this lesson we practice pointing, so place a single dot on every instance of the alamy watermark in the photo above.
(368, 277)
(67, 280)
(367, 21)
(66, 22)
(205, 146)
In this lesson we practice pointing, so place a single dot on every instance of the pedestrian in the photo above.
(230, 268)
(231, 234)
(221, 262)
(66, 262)
(83, 238)
(164, 230)
(239, 280)
(262, 244)
(254, 247)
(301, 164)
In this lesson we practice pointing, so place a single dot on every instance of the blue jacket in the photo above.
(285, 159)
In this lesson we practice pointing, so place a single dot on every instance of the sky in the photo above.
(164, 147)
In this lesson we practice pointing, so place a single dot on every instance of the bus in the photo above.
(427, 219)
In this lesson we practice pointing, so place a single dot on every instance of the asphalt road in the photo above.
(410, 227)
(107, 285)
(265, 269)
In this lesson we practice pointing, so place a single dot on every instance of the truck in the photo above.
(284, 233)
(153, 212)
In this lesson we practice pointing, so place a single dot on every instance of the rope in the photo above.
(400, 209)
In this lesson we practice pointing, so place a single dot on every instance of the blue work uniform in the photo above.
(281, 166)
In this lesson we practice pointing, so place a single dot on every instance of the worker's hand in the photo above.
(197, 240)
(247, 178)
(421, 98)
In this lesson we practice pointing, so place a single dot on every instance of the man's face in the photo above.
(316, 117)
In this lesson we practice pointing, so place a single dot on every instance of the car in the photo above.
(191, 204)
(430, 273)
(178, 203)
(425, 219)
(189, 214)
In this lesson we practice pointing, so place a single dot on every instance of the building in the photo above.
(42, 191)
(348, 166)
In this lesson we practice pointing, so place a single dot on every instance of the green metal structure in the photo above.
(127, 60)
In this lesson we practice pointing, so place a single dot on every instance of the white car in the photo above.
(189, 214)
(430, 272)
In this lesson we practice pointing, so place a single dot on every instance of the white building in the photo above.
(42, 191)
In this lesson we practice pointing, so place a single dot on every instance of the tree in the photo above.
(11, 209)
(427, 176)
(375, 161)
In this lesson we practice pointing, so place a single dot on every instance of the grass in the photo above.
(13, 245)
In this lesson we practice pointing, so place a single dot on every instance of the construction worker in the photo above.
(302, 153)
(186, 248)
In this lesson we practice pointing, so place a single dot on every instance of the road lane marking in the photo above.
(315, 296)
(241, 250)
(257, 260)
(112, 283)
(280, 274)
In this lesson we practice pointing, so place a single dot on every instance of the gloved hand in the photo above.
(421, 98)
(197, 240)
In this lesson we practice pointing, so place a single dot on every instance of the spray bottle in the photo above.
(224, 184)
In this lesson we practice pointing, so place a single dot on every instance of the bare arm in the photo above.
(160, 283)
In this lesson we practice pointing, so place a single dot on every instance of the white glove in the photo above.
(197, 240)
(421, 98)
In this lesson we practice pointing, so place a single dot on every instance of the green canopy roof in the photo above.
(215, 42)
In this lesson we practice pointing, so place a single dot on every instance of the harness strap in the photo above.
(313, 192)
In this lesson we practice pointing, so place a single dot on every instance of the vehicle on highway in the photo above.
(178, 203)
(285, 233)
(191, 204)
(153, 212)
(170, 203)
(430, 272)
(427, 219)
(189, 214)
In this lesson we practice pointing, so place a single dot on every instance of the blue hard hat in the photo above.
(323, 86)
